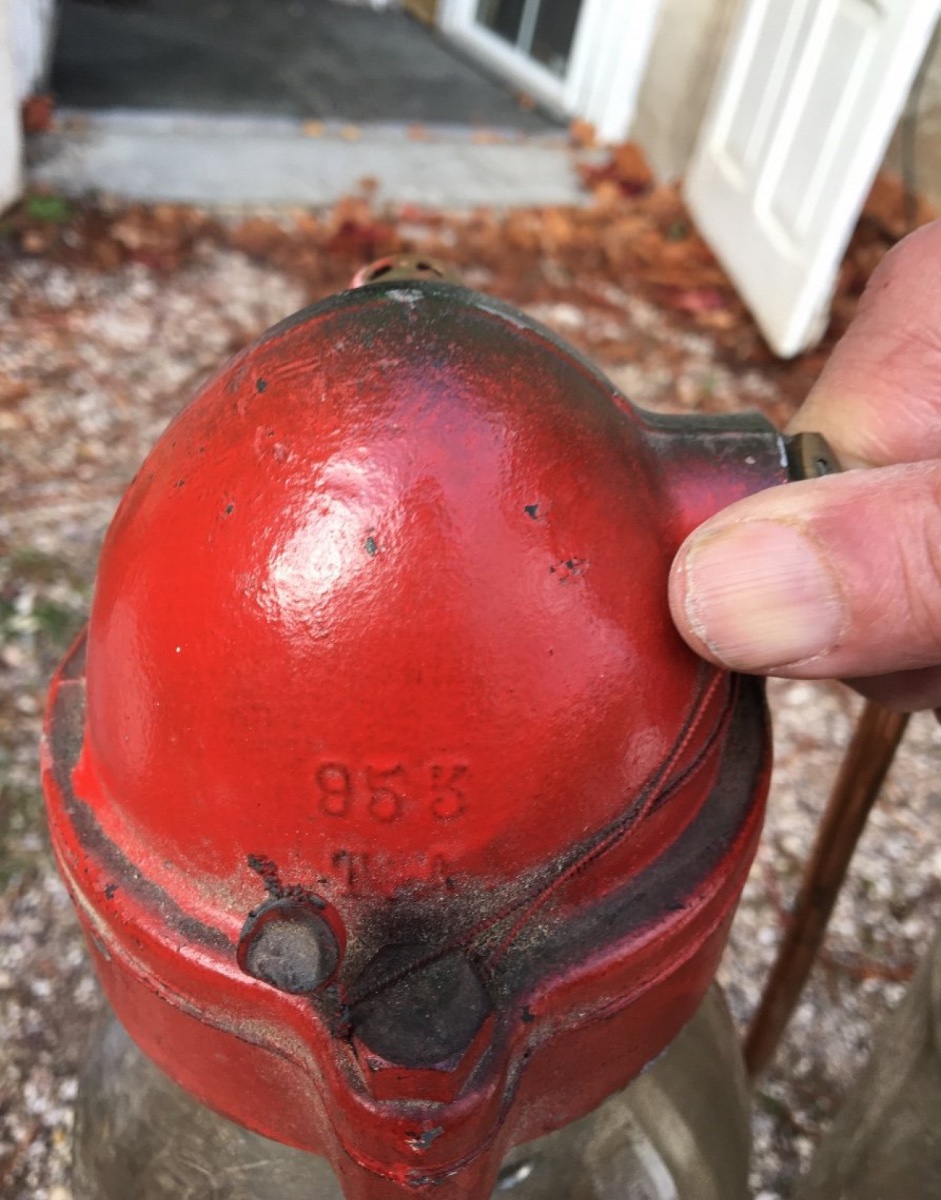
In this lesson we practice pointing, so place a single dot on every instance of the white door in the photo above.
(806, 102)
(581, 58)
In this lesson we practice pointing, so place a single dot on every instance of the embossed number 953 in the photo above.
(388, 794)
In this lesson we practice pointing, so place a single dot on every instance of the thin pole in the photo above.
(867, 759)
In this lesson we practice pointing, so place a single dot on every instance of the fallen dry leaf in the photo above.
(696, 300)
(626, 168)
(38, 113)
(258, 237)
(582, 134)
(891, 207)
(632, 238)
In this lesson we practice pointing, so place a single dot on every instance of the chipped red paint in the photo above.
(380, 645)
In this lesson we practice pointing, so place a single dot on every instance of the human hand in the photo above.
(841, 576)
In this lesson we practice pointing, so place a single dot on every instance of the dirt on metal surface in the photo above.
(111, 316)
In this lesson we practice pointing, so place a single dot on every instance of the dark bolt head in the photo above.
(428, 1016)
(420, 1031)
(289, 944)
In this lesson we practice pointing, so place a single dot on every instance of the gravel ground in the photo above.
(92, 365)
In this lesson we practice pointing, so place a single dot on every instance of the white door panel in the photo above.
(803, 111)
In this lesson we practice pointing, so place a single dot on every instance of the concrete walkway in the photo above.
(233, 160)
(286, 102)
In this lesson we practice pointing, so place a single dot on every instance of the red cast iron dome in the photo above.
(388, 795)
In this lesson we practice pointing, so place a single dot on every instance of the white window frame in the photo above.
(606, 64)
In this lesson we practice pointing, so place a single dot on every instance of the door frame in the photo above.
(609, 53)
(11, 137)
(31, 29)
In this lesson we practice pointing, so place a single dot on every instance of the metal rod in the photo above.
(867, 759)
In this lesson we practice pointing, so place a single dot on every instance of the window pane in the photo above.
(554, 33)
(503, 17)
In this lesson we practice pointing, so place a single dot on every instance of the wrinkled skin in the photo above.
(841, 576)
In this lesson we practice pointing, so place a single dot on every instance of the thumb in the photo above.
(835, 577)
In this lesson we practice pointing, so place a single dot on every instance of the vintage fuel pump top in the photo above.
(402, 825)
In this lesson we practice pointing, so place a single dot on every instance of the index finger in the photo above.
(878, 400)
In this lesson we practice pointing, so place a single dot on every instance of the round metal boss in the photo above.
(288, 944)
